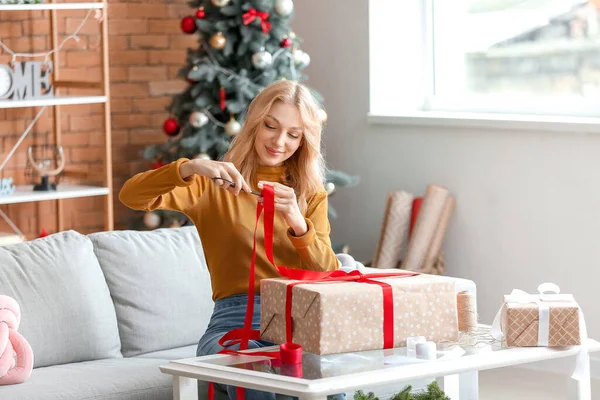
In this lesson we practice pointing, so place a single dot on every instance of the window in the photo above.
(494, 56)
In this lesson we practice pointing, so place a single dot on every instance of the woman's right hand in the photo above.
(216, 169)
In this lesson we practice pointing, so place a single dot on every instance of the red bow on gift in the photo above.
(252, 14)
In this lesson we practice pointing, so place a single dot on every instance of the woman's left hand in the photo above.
(287, 205)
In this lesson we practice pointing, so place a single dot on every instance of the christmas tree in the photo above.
(244, 45)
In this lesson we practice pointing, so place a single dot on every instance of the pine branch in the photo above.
(404, 394)
(360, 395)
(433, 393)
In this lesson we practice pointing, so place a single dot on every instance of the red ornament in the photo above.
(286, 42)
(43, 233)
(188, 25)
(200, 13)
(222, 98)
(171, 127)
(158, 164)
(252, 14)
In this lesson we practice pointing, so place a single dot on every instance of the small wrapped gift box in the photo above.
(543, 319)
(345, 316)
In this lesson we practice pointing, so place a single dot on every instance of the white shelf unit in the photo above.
(26, 193)
(52, 6)
(54, 101)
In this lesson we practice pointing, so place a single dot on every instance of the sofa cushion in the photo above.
(123, 379)
(160, 286)
(172, 354)
(66, 311)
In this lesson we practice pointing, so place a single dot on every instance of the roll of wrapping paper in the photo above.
(434, 202)
(394, 230)
(435, 247)
(439, 266)
(415, 213)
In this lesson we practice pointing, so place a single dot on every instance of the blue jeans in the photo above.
(229, 314)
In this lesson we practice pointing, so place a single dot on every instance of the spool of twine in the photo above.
(467, 312)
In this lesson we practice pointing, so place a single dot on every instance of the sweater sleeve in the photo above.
(314, 247)
(163, 188)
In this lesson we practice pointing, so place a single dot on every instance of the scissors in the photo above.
(232, 184)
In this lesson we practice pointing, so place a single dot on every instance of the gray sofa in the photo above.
(103, 311)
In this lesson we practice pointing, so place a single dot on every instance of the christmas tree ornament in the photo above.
(232, 127)
(252, 14)
(157, 164)
(222, 98)
(218, 41)
(175, 224)
(220, 3)
(203, 156)
(192, 80)
(200, 13)
(301, 58)
(151, 220)
(262, 59)
(298, 55)
(322, 115)
(284, 7)
(329, 188)
(286, 42)
(198, 119)
(171, 127)
(188, 25)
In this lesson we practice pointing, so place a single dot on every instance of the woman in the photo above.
(279, 145)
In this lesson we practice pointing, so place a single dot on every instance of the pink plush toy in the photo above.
(12, 345)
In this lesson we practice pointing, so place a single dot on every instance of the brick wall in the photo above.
(147, 49)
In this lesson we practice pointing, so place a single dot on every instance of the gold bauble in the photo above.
(220, 3)
(218, 41)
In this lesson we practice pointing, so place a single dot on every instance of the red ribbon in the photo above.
(289, 353)
(252, 14)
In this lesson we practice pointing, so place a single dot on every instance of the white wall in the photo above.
(528, 203)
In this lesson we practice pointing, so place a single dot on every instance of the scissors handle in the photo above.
(232, 184)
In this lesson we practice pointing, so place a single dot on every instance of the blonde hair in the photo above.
(305, 169)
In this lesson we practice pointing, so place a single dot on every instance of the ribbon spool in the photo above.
(467, 312)
(291, 353)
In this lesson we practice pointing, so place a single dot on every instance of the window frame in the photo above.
(574, 114)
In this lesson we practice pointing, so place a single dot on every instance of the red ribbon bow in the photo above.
(252, 14)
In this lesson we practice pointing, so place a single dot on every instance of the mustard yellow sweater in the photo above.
(226, 223)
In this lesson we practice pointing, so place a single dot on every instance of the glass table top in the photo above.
(316, 366)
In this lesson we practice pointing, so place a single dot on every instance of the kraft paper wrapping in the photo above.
(394, 230)
(520, 324)
(432, 263)
(426, 228)
(339, 317)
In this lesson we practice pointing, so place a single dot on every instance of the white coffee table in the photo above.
(325, 375)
